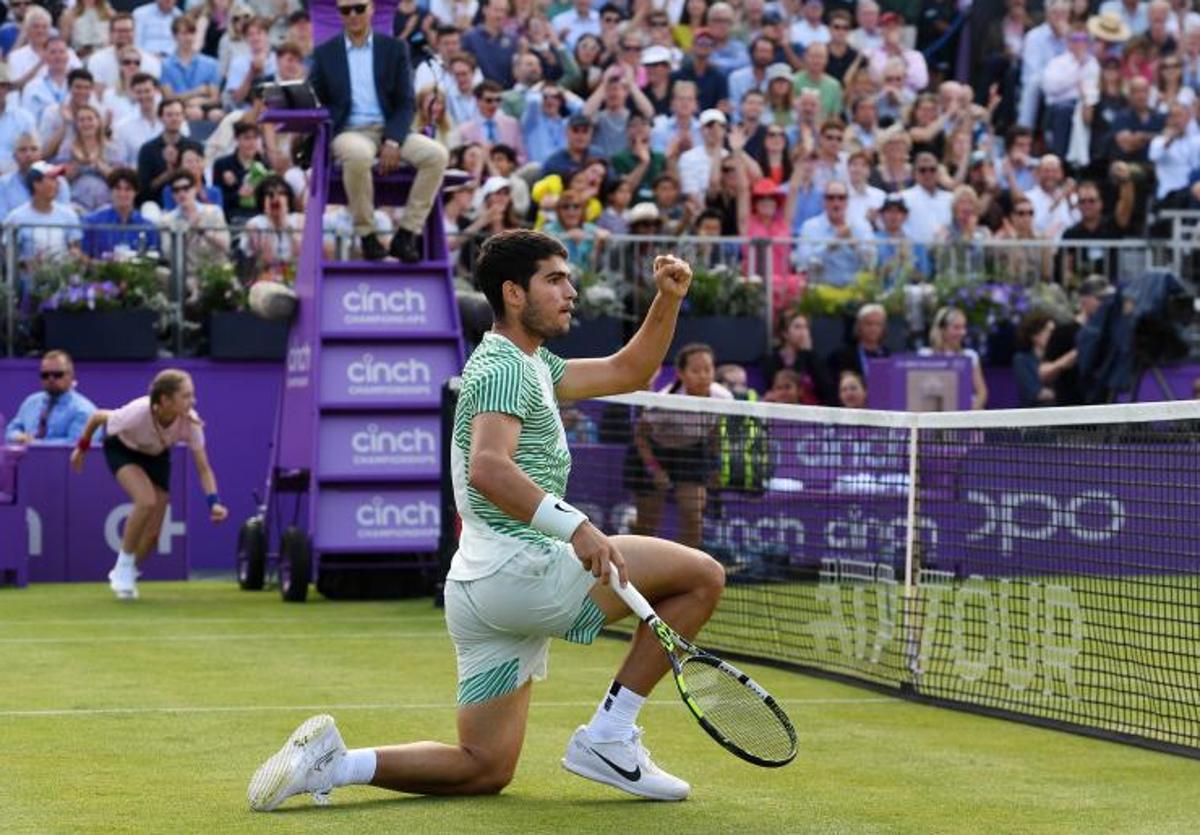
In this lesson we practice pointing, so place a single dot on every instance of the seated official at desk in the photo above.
(57, 413)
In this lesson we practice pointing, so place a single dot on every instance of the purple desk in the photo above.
(68, 525)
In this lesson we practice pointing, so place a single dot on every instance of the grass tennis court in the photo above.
(151, 717)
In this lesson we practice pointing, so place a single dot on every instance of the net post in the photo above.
(912, 618)
(910, 524)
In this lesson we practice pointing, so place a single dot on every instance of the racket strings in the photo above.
(738, 712)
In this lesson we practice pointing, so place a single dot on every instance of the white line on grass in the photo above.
(123, 711)
(238, 636)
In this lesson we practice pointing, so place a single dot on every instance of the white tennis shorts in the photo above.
(502, 624)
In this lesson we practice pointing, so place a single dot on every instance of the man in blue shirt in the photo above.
(57, 413)
(187, 73)
(833, 247)
(492, 47)
(366, 81)
(45, 227)
(99, 236)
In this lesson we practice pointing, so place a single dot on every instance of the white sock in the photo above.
(616, 715)
(357, 768)
(125, 560)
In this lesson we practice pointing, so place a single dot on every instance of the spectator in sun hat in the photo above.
(898, 259)
(1124, 17)
(695, 164)
(44, 226)
(657, 61)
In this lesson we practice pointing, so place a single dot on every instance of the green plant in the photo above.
(71, 284)
(218, 288)
(722, 291)
(601, 293)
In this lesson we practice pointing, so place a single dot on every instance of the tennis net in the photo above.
(1042, 565)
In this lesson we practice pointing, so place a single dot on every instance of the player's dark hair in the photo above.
(692, 348)
(512, 255)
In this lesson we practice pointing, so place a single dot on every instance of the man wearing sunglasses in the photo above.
(365, 79)
(56, 414)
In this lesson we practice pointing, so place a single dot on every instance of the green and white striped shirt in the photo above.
(500, 377)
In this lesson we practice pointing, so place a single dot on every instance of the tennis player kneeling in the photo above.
(530, 567)
(137, 446)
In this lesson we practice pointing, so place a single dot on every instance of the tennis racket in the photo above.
(735, 711)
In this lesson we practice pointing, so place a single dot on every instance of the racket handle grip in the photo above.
(631, 597)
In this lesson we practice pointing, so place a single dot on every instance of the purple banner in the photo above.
(382, 375)
(237, 402)
(376, 446)
(74, 521)
(919, 384)
(375, 305)
(991, 510)
(361, 520)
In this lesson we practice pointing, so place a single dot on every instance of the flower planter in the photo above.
(102, 335)
(741, 339)
(597, 337)
(244, 336)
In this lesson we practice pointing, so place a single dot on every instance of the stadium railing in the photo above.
(930, 272)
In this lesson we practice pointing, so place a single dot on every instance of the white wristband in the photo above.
(556, 518)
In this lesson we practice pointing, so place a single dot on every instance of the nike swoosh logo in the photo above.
(558, 506)
(631, 776)
(325, 760)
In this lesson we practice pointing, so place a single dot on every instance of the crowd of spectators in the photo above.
(857, 134)
(842, 127)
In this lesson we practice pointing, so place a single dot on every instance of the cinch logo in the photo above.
(373, 371)
(1092, 516)
(380, 441)
(383, 514)
(363, 299)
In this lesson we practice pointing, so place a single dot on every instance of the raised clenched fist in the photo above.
(672, 275)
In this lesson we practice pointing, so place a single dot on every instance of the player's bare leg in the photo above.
(685, 585)
(490, 736)
(314, 759)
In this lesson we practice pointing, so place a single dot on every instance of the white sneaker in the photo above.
(305, 763)
(123, 582)
(626, 765)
